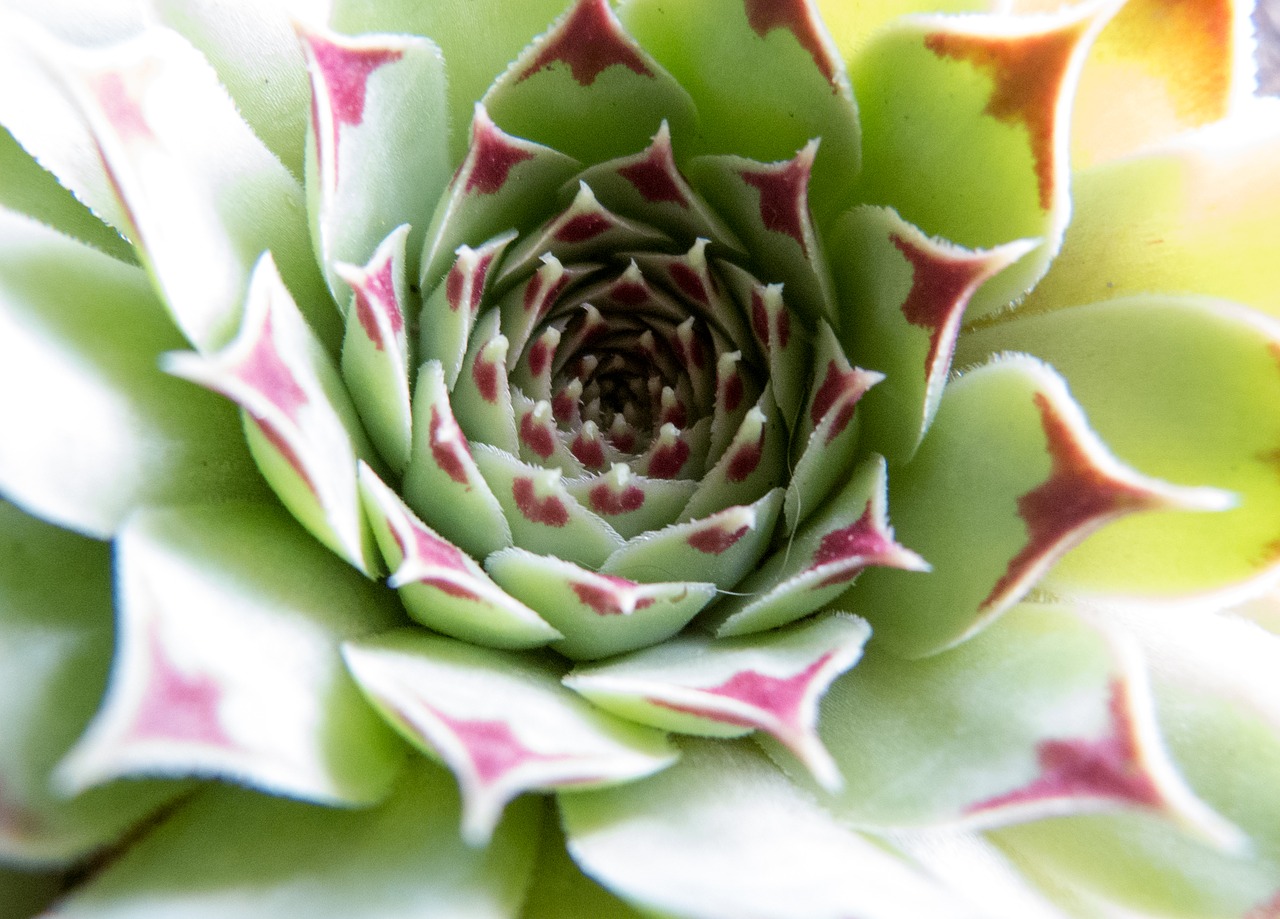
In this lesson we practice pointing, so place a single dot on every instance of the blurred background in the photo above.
(1267, 18)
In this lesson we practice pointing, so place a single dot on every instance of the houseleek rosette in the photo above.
(605, 468)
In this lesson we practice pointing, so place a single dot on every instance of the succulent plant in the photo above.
(791, 459)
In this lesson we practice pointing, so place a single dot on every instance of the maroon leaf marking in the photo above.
(429, 549)
(654, 174)
(764, 326)
(492, 156)
(689, 283)
(1028, 73)
(1267, 910)
(941, 286)
(448, 447)
(861, 539)
(484, 373)
(345, 74)
(1076, 498)
(264, 370)
(673, 411)
(609, 600)
(537, 436)
(798, 17)
(376, 293)
(1106, 768)
(609, 501)
(590, 41)
(564, 408)
(492, 748)
(784, 195)
(840, 390)
(538, 295)
(121, 107)
(277, 439)
(715, 539)
(583, 227)
(779, 699)
(450, 587)
(175, 706)
(549, 510)
(731, 390)
(745, 459)
(668, 459)
(540, 354)
(589, 451)
(629, 293)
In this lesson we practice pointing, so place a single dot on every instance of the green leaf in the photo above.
(99, 430)
(1197, 218)
(1185, 389)
(233, 854)
(598, 614)
(441, 586)
(377, 144)
(794, 89)
(1005, 114)
(55, 650)
(588, 89)
(727, 688)
(501, 722)
(1009, 478)
(1041, 715)
(472, 65)
(202, 197)
(561, 891)
(27, 188)
(299, 420)
(723, 834)
(228, 664)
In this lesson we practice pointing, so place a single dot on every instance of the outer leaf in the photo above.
(202, 197)
(95, 428)
(55, 649)
(227, 665)
(586, 88)
(1005, 116)
(27, 188)
(794, 89)
(1160, 68)
(1157, 375)
(232, 854)
(26, 893)
(771, 683)
(502, 723)
(1011, 460)
(1197, 217)
(256, 53)
(561, 891)
(1040, 715)
(299, 420)
(724, 835)
(377, 151)
(473, 65)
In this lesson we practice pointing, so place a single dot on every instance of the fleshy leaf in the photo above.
(767, 204)
(727, 688)
(836, 544)
(1155, 375)
(55, 649)
(631, 504)
(723, 834)
(1011, 458)
(377, 151)
(586, 88)
(544, 517)
(909, 294)
(1005, 114)
(1158, 69)
(1197, 218)
(473, 65)
(449, 312)
(1041, 715)
(502, 723)
(202, 197)
(440, 585)
(599, 614)
(753, 463)
(720, 548)
(560, 890)
(95, 428)
(443, 484)
(256, 53)
(375, 351)
(794, 89)
(401, 858)
(228, 662)
(298, 418)
(25, 187)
